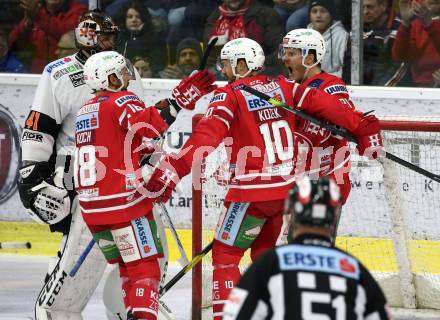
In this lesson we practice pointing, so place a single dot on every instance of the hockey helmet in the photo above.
(305, 40)
(93, 27)
(100, 66)
(243, 48)
(314, 202)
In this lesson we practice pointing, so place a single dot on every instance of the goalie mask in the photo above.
(314, 203)
(96, 32)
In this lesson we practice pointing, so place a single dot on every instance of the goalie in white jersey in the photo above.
(45, 181)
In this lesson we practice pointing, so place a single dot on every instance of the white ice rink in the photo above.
(21, 279)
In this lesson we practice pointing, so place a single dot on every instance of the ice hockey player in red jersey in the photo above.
(302, 51)
(113, 132)
(260, 148)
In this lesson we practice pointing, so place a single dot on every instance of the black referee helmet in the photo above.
(314, 203)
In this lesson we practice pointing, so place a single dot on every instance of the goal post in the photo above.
(391, 220)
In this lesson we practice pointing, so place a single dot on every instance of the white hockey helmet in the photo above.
(100, 66)
(243, 48)
(305, 40)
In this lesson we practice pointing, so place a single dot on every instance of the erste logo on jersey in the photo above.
(337, 88)
(319, 259)
(272, 89)
(57, 63)
(121, 100)
(88, 121)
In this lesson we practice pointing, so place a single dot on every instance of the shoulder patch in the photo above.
(77, 79)
(121, 100)
(318, 259)
(337, 88)
(89, 108)
(68, 69)
(57, 63)
(218, 97)
(316, 83)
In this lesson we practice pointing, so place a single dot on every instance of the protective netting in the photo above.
(390, 222)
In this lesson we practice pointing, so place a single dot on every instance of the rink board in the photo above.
(376, 254)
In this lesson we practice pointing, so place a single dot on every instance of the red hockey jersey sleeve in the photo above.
(212, 128)
(326, 106)
(132, 115)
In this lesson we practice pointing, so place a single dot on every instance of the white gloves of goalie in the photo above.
(51, 203)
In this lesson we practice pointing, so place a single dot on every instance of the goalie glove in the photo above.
(369, 137)
(47, 201)
(192, 88)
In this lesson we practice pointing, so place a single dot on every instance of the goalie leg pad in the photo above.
(62, 294)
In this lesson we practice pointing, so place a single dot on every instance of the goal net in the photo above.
(391, 221)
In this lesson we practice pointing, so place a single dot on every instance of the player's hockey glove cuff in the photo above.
(165, 178)
(192, 88)
(369, 137)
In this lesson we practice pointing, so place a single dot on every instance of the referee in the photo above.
(308, 279)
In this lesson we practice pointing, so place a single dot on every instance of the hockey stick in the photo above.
(208, 50)
(337, 131)
(81, 258)
(185, 270)
(15, 245)
(183, 260)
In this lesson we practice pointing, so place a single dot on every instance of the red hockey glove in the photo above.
(369, 137)
(164, 178)
(192, 88)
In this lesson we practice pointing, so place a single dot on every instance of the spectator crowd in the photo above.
(165, 38)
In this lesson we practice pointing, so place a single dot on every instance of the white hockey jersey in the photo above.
(60, 93)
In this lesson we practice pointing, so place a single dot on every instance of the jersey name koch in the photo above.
(87, 122)
(313, 258)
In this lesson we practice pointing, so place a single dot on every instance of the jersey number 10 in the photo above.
(274, 129)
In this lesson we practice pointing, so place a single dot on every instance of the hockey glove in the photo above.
(47, 201)
(369, 137)
(192, 88)
(164, 178)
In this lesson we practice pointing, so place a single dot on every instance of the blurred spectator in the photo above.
(143, 66)
(42, 26)
(294, 13)
(196, 14)
(10, 14)
(137, 36)
(380, 27)
(247, 18)
(335, 36)
(66, 45)
(436, 78)
(188, 57)
(8, 61)
(176, 15)
(418, 40)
